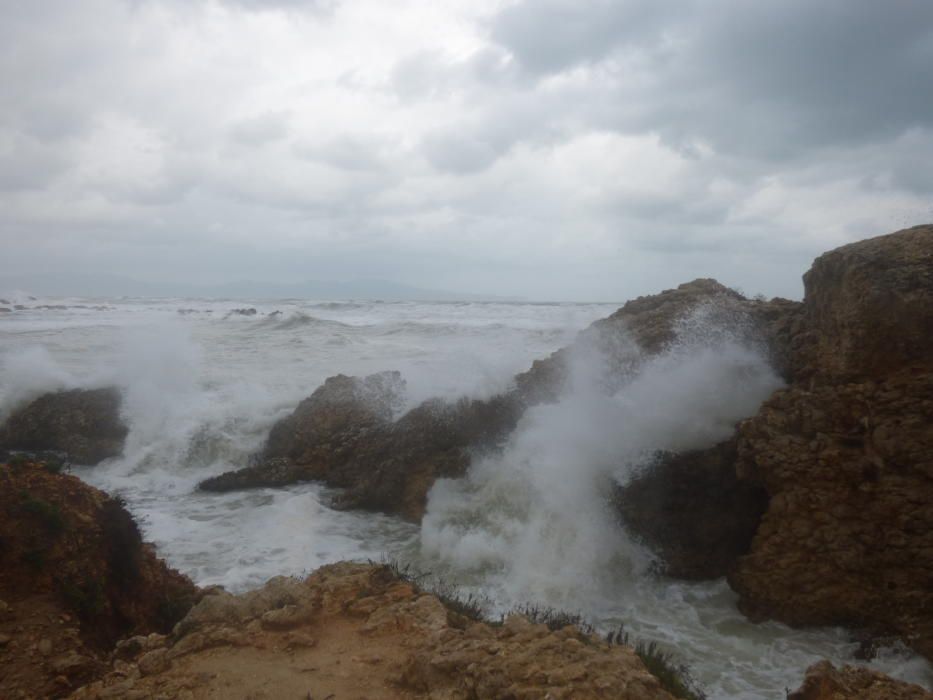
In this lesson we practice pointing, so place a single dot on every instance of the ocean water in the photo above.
(203, 384)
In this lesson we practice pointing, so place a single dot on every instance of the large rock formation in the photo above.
(75, 577)
(344, 435)
(84, 423)
(357, 630)
(846, 452)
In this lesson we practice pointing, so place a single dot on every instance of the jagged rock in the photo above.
(693, 510)
(825, 682)
(84, 423)
(343, 434)
(649, 325)
(338, 411)
(868, 308)
(69, 540)
(374, 635)
(846, 452)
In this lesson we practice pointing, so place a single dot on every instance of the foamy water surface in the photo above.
(202, 387)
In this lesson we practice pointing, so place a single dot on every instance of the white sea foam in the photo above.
(201, 390)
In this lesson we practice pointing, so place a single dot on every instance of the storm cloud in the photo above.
(585, 149)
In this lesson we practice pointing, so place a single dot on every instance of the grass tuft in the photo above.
(676, 678)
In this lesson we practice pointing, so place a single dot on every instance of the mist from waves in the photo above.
(202, 388)
(535, 525)
(202, 384)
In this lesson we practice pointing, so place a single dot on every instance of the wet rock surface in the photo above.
(693, 510)
(344, 435)
(84, 423)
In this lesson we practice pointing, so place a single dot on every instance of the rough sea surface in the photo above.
(203, 384)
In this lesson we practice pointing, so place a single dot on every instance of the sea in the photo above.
(204, 380)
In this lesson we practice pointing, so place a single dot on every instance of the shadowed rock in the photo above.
(692, 510)
(344, 435)
(84, 423)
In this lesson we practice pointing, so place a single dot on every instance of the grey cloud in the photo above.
(549, 36)
(346, 153)
(260, 130)
(765, 80)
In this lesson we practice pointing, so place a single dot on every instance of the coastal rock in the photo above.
(868, 308)
(846, 452)
(693, 511)
(372, 634)
(344, 435)
(84, 423)
(71, 541)
(75, 577)
(825, 682)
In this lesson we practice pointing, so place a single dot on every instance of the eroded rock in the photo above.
(825, 682)
(846, 452)
(84, 423)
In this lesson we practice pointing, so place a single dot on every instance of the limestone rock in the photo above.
(825, 682)
(846, 452)
(84, 423)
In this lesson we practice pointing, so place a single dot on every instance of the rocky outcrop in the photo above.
(846, 452)
(75, 577)
(825, 682)
(652, 324)
(344, 435)
(84, 423)
(693, 511)
(63, 537)
(357, 630)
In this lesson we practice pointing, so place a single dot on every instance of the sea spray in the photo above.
(538, 515)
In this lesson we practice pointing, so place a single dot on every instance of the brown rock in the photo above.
(377, 636)
(846, 452)
(825, 682)
(69, 540)
(693, 510)
(84, 423)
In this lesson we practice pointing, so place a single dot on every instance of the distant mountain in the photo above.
(117, 286)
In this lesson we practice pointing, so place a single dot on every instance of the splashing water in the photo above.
(533, 524)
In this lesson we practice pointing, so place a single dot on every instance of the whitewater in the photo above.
(204, 380)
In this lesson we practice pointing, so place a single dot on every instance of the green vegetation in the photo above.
(554, 618)
(467, 605)
(47, 513)
(675, 677)
(86, 599)
(34, 557)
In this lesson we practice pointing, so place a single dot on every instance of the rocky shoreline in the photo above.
(817, 509)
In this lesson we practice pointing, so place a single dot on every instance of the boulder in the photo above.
(344, 435)
(84, 423)
(825, 682)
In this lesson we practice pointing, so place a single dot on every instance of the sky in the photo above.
(547, 149)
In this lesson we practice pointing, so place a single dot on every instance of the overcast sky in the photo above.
(553, 149)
